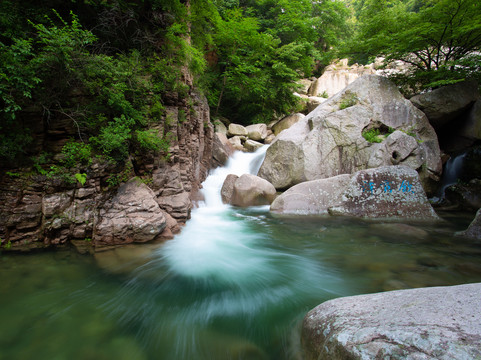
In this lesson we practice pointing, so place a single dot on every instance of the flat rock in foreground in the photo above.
(428, 323)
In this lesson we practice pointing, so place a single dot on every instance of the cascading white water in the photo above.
(213, 243)
(451, 173)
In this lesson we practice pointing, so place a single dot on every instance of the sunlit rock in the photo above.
(426, 323)
(331, 139)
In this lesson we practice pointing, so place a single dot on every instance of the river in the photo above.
(235, 284)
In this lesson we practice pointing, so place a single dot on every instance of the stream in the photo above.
(234, 284)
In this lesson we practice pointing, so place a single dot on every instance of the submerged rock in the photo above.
(427, 323)
(329, 141)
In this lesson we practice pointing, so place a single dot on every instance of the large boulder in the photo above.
(428, 323)
(228, 188)
(474, 229)
(132, 215)
(257, 132)
(286, 122)
(329, 141)
(236, 130)
(312, 197)
(447, 103)
(251, 190)
(385, 192)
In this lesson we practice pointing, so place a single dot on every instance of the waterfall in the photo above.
(452, 169)
(213, 244)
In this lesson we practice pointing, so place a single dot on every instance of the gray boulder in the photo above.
(257, 132)
(286, 122)
(312, 197)
(236, 130)
(236, 142)
(474, 229)
(329, 141)
(252, 146)
(447, 103)
(385, 192)
(228, 188)
(441, 323)
(132, 215)
(251, 190)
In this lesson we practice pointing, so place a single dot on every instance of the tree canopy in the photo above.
(440, 39)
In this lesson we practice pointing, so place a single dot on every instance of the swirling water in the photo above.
(235, 284)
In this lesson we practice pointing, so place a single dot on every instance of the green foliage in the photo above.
(81, 178)
(151, 140)
(373, 136)
(377, 135)
(76, 154)
(347, 101)
(113, 138)
(440, 39)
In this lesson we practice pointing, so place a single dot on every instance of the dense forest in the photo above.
(109, 66)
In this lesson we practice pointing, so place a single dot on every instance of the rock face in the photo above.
(474, 229)
(385, 192)
(429, 323)
(472, 127)
(132, 215)
(39, 212)
(222, 149)
(337, 76)
(446, 103)
(329, 141)
(247, 190)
